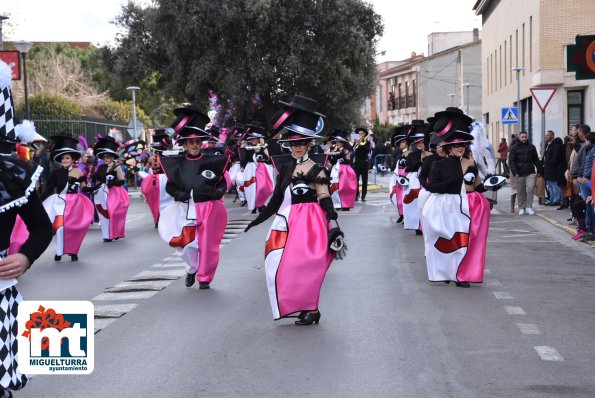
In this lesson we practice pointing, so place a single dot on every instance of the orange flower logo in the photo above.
(43, 319)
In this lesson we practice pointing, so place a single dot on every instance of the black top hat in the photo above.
(106, 146)
(214, 133)
(418, 131)
(450, 121)
(195, 128)
(365, 130)
(183, 116)
(305, 104)
(63, 144)
(161, 140)
(399, 134)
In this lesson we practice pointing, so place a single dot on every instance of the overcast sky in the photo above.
(406, 23)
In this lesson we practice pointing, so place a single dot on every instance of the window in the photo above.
(516, 62)
(414, 93)
(500, 58)
(510, 67)
(400, 98)
(575, 103)
(530, 43)
(523, 48)
(495, 70)
(505, 66)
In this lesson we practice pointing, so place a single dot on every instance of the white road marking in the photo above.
(125, 296)
(138, 286)
(515, 311)
(113, 310)
(492, 282)
(503, 296)
(548, 353)
(176, 254)
(100, 324)
(169, 265)
(170, 259)
(165, 274)
(528, 328)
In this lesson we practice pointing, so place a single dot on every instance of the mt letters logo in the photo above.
(56, 337)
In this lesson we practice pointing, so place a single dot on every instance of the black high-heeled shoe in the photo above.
(74, 257)
(309, 318)
(462, 284)
(57, 258)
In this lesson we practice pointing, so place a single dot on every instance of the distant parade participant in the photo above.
(343, 178)
(361, 161)
(417, 137)
(236, 152)
(70, 212)
(111, 199)
(194, 224)
(456, 216)
(153, 185)
(258, 175)
(18, 198)
(297, 254)
(213, 143)
(399, 179)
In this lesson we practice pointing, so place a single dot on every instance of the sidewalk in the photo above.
(558, 218)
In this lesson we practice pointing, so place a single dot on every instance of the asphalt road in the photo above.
(385, 331)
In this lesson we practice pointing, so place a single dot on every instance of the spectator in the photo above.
(361, 150)
(552, 159)
(501, 165)
(585, 191)
(523, 163)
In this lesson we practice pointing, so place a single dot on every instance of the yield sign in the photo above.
(543, 96)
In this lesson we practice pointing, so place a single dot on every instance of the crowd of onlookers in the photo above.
(564, 173)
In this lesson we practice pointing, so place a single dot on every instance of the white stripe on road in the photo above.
(528, 328)
(492, 282)
(165, 274)
(503, 296)
(168, 265)
(170, 259)
(515, 311)
(100, 324)
(548, 353)
(125, 296)
(113, 310)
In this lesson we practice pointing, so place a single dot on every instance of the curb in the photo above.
(568, 229)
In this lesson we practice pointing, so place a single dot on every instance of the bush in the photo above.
(383, 131)
(52, 107)
(122, 111)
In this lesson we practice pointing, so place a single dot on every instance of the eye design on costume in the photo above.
(402, 163)
(469, 178)
(494, 181)
(208, 174)
(402, 180)
(300, 189)
(259, 158)
(75, 186)
(109, 177)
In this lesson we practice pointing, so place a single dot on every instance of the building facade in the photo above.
(524, 46)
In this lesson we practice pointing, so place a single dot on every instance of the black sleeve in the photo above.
(39, 226)
(278, 195)
(441, 182)
(413, 161)
(512, 161)
(171, 188)
(245, 156)
(425, 170)
(536, 162)
(50, 187)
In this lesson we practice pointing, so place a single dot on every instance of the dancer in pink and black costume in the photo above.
(399, 179)
(194, 224)
(111, 199)
(153, 186)
(236, 152)
(456, 216)
(297, 254)
(258, 174)
(343, 178)
(70, 212)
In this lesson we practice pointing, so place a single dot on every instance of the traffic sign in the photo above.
(139, 128)
(543, 96)
(510, 115)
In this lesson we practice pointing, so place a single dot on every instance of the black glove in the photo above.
(110, 183)
(119, 183)
(181, 196)
(219, 193)
(327, 206)
(470, 174)
(88, 189)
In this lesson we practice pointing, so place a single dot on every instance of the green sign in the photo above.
(580, 57)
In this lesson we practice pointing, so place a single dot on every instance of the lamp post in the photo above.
(133, 89)
(518, 70)
(467, 98)
(23, 47)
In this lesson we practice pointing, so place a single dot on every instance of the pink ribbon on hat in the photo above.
(445, 129)
(182, 123)
(283, 117)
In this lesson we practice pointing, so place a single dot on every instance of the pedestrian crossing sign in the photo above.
(510, 115)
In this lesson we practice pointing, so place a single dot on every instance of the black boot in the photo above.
(253, 211)
(74, 257)
(309, 318)
(400, 220)
(418, 232)
(462, 284)
(204, 285)
(57, 258)
(190, 279)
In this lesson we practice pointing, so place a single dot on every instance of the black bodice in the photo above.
(300, 189)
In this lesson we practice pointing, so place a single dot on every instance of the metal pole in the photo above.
(467, 99)
(25, 82)
(134, 112)
(542, 133)
(518, 99)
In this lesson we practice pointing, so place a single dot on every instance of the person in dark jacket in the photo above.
(553, 157)
(524, 162)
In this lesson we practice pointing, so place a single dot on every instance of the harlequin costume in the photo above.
(17, 199)
(153, 186)
(194, 224)
(70, 212)
(297, 254)
(258, 175)
(399, 179)
(456, 216)
(343, 179)
(111, 199)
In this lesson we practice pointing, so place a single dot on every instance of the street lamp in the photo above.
(518, 70)
(133, 89)
(23, 47)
